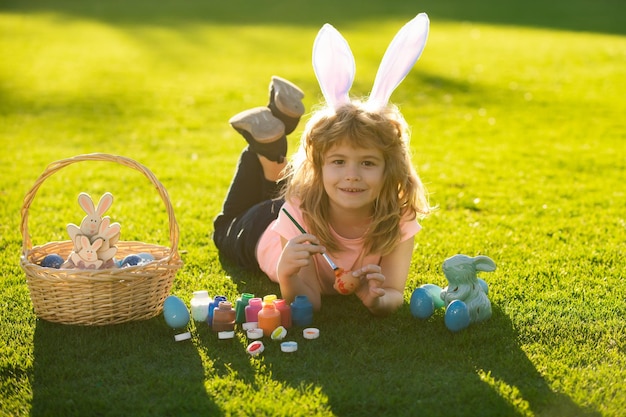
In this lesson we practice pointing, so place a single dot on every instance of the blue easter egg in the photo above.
(421, 304)
(484, 285)
(146, 257)
(175, 312)
(457, 316)
(52, 261)
(435, 294)
(131, 260)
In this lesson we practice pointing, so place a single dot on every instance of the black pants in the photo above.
(250, 207)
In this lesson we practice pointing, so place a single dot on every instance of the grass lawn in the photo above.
(517, 112)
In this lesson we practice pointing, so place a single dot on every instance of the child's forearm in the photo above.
(293, 285)
(290, 286)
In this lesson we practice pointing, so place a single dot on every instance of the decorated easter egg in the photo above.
(175, 312)
(131, 260)
(345, 282)
(484, 285)
(435, 294)
(421, 304)
(52, 261)
(457, 316)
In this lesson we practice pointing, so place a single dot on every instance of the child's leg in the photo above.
(264, 132)
(248, 208)
(265, 128)
(286, 103)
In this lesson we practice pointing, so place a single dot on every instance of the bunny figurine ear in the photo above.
(334, 65)
(402, 53)
(105, 203)
(484, 263)
(86, 203)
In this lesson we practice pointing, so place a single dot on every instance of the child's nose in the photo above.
(352, 173)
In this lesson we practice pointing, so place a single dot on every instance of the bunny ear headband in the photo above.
(334, 65)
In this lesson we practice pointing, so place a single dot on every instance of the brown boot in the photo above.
(286, 102)
(264, 133)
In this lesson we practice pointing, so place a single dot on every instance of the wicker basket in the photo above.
(104, 296)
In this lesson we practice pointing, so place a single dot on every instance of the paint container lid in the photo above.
(250, 325)
(254, 333)
(279, 333)
(182, 336)
(289, 346)
(225, 335)
(255, 348)
(311, 333)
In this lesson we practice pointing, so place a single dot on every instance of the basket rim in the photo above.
(53, 167)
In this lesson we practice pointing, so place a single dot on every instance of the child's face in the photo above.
(353, 177)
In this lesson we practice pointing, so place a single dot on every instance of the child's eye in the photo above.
(337, 162)
(369, 163)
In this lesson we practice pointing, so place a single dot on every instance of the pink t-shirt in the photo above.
(270, 247)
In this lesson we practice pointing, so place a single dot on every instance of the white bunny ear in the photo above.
(334, 65)
(402, 53)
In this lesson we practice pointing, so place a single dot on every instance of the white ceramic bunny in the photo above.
(334, 65)
(90, 224)
(460, 271)
(87, 256)
(109, 234)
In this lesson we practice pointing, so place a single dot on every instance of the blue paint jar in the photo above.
(301, 311)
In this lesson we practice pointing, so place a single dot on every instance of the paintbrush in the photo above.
(344, 283)
(300, 228)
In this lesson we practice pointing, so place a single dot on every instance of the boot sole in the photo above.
(260, 123)
(288, 97)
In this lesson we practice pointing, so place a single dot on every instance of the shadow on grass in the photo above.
(403, 366)
(360, 365)
(604, 16)
(133, 369)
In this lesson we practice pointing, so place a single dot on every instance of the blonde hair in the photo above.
(402, 196)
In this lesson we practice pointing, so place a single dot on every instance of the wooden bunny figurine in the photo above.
(109, 234)
(95, 236)
(90, 224)
(87, 256)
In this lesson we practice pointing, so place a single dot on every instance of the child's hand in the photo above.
(297, 254)
(372, 289)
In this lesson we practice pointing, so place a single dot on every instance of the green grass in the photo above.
(518, 124)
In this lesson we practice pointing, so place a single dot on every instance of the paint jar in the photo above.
(224, 317)
(285, 312)
(269, 299)
(252, 309)
(269, 319)
(301, 311)
(200, 305)
(215, 303)
(240, 307)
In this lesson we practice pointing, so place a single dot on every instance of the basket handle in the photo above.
(56, 166)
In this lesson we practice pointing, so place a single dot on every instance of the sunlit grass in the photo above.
(518, 132)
